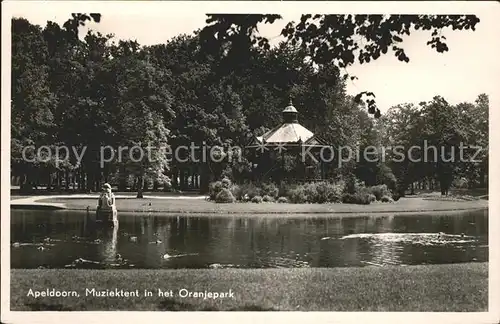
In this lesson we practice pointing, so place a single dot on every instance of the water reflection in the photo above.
(69, 239)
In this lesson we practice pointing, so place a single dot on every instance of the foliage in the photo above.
(353, 185)
(248, 190)
(440, 129)
(333, 38)
(269, 189)
(385, 176)
(328, 192)
(267, 198)
(257, 199)
(215, 189)
(386, 199)
(316, 192)
(377, 191)
(221, 86)
(236, 191)
(282, 200)
(298, 195)
(360, 198)
(225, 196)
(226, 183)
(460, 183)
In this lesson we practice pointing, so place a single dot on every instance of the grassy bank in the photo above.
(457, 287)
(404, 205)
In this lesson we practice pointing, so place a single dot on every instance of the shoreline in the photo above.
(199, 206)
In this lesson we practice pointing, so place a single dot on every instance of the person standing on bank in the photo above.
(106, 207)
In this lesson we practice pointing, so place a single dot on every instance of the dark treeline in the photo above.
(99, 92)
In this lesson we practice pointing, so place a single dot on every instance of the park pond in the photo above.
(68, 239)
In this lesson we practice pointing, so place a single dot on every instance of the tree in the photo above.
(400, 130)
(219, 87)
(142, 108)
(338, 39)
(32, 101)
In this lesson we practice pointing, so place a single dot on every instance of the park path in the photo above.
(34, 200)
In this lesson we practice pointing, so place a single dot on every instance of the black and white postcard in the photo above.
(175, 161)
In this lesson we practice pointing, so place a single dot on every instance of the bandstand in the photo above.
(289, 151)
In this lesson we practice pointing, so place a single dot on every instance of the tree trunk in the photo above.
(58, 181)
(174, 179)
(482, 176)
(49, 181)
(122, 179)
(66, 179)
(140, 184)
(182, 180)
(204, 178)
(84, 180)
(90, 181)
(443, 189)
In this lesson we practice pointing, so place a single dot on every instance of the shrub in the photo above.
(248, 190)
(460, 183)
(372, 198)
(214, 189)
(257, 199)
(267, 198)
(328, 192)
(348, 198)
(269, 189)
(357, 198)
(226, 183)
(318, 192)
(386, 199)
(386, 176)
(236, 191)
(379, 191)
(353, 185)
(297, 195)
(283, 200)
(310, 192)
(225, 196)
(283, 189)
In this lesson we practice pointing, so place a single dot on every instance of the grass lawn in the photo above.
(455, 287)
(201, 206)
(474, 192)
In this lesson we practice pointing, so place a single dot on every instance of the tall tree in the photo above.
(340, 39)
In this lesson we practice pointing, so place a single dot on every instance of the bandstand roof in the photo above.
(290, 133)
(287, 133)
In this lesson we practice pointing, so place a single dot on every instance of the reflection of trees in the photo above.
(33, 226)
(186, 234)
(229, 239)
(348, 252)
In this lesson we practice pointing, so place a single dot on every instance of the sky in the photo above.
(470, 68)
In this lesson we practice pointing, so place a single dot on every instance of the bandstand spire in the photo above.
(290, 113)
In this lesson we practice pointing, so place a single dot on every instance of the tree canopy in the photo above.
(334, 39)
(219, 87)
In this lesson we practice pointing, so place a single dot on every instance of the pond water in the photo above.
(67, 239)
